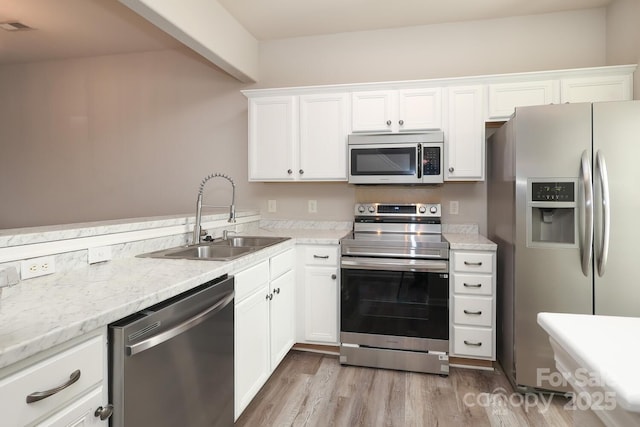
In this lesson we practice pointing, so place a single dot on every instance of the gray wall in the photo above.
(132, 135)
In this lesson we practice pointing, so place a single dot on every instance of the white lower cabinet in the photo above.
(472, 304)
(66, 385)
(317, 300)
(264, 323)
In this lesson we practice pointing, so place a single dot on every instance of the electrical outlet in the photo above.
(99, 254)
(454, 207)
(271, 206)
(36, 267)
(313, 206)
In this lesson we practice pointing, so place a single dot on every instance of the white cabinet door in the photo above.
(597, 89)
(372, 111)
(321, 305)
(464, 137)
(505, 97)
(397, 111)
(251, 347)
(282, 317)
(323, 137)
(273, 138)
(419, 109)
(81, 413)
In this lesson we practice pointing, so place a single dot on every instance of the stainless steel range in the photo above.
(394, 290)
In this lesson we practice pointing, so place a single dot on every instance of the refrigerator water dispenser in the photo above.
(551, 212)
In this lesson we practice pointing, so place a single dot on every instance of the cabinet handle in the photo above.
(401, 122)
(388, 122)
(39, 395)
(475, 344)
(476, 313)
(333, 276)
(468, 285)
(269, 297)
(477, 264)
(104, 413)
(276, 291)
(321, 256)
(451, 169)
(301, 171)
(289, 171)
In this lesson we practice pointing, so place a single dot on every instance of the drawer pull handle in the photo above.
(469, 285)
(475, 313)
(39, 395)
(477, 264)
(475, 344)
(321, 256)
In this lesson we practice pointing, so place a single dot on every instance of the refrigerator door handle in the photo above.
(601, 167)
(588, 213)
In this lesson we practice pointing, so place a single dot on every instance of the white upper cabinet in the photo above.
(397, 111)
(273, 138)
(505, 97)
(323, 137)
(301, 138)
(464, 143)
(596, 89)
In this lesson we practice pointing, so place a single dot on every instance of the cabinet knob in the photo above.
(401, 122)
(333, 276)
(276, 291)
(451, 169)
(289, 171)
(104, 412)
(269, 297)
(388, 122)
(301, 171)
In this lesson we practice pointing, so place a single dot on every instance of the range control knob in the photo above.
(422, 209)
(433, 209)
(361, 209)
(372, 209)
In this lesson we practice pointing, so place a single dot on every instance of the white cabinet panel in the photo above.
(473, 342)
(597, 89)
(321, 304)
(80, 414)
(464, 136)
(419, 109)
(281, 313)
(323, 137)
(505, 97)
(372, 111)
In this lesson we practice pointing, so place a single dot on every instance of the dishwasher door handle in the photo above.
(182, 327)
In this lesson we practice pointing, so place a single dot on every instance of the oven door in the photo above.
(395, 303)
(384, 164)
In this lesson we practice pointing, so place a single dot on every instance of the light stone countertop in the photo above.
(40, 313)
(606, 346)
(469, 241)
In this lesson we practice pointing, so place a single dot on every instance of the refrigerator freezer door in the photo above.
(549, 143)
(616, 136)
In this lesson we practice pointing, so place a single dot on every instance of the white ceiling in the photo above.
(76, 28)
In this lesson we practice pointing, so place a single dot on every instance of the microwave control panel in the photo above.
(431, 160)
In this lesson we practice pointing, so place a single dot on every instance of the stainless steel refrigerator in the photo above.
(564, 208)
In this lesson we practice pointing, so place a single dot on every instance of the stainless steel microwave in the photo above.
(399, 158)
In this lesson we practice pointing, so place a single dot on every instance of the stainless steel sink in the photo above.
(217, 250)
(249, 241)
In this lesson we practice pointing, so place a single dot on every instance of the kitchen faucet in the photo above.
(197, 229)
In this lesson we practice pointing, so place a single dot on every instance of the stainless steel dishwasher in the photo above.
(172, 364)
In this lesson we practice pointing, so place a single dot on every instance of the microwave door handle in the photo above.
(419, 161)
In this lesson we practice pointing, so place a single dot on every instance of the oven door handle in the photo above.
(395, 264)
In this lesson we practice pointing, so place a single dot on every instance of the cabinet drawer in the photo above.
(321, 255)
(247, 281)
(475, 311)
(475, 284)
(79, 414)
(87, 357)
(282, 263)
(469, 341)
(477, 262)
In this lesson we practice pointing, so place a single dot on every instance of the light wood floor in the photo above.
(310, 389)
